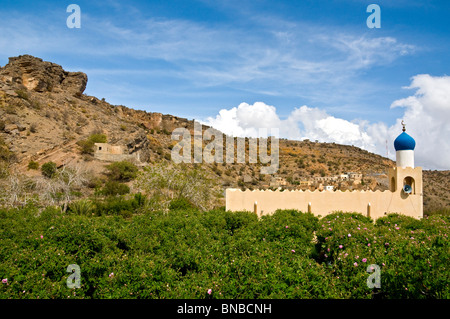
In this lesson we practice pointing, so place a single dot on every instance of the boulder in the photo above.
(34, 74)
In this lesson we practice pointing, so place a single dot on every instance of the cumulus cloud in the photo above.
(426, 114)
(304, 122)
(245, 120)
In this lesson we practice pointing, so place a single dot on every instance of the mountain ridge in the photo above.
(45, 115)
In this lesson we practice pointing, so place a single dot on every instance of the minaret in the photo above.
(404, 149)
(405, 180)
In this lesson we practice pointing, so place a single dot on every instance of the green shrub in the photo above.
(410, 253)
(180, 204)
(123, 171)
(81, 207)
(5, 154)
(97, 138)
(140, 199)
(445, 211)
(49, 169)
(33, 165)
(292, 226)
(113, 188)
(397, 219)
(117, 206)
(22, 94)
(182, 254)
(87, 146)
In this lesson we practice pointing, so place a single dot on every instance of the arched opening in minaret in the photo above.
(410, 181)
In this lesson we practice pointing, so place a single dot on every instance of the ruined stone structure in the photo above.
(113, 153)
(404, 195)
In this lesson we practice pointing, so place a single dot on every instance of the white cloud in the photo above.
(245, 120)
(427, 113)
(282, 54)
(362, 51)
(303, 122)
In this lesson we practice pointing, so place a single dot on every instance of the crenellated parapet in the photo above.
(374, 204)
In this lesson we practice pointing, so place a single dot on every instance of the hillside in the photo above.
(45, 116)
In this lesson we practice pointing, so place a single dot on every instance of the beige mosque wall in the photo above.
(374, 204)
(404, 195)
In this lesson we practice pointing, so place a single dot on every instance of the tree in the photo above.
(166, 182)
(87, 146)
(49, 169)
(113, 188)
(123, 171)
(11, 191)
(33, 165)
(60, 189)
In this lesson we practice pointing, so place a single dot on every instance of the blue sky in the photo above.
(196, 58)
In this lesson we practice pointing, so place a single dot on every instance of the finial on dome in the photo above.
(404, 129)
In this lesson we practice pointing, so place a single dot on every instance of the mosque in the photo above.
(404, 195)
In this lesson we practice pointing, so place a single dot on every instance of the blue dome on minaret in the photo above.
(404, 141)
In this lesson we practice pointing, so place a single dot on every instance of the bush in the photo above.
(97, 138)
(167, 181)
(81, 207)
(410, 253)
(87, 146)
(113, 188)
(180, 204)
(22, 94)
(49, 169)
(5, 153)
(123, 171)
(117, 206)
(33, 165)
(182, 254)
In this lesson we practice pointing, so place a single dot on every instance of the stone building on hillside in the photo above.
(113, 153)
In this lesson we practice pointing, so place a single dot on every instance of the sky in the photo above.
(313, 69)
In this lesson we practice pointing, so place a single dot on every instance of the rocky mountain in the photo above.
(45, 116)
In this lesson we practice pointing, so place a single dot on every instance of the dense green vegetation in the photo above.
(123, 171)
(126, 251)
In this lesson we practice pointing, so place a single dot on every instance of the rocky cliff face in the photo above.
(33, 74)
(44, 113)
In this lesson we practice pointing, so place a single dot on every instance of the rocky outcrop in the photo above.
(34, 74)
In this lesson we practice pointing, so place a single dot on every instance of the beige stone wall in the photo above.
(116, 157)
(325, 202)
(105, 148)
(112, 153)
